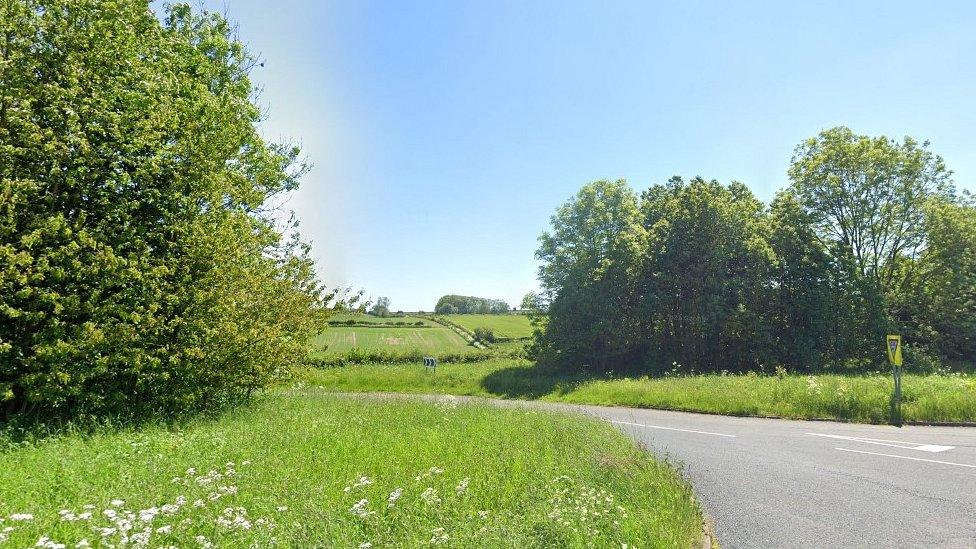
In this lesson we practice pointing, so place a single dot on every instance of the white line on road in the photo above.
(908, 457)
(893, 443)
(672, 429)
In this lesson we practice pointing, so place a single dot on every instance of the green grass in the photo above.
(305, 468)
(507, 326)
(950, 398)
(436, 339)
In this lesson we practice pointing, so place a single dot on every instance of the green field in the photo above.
(507, 326)
(950, 398)
(340, 339)
(304, 468)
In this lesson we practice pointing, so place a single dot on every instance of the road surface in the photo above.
(779, 483)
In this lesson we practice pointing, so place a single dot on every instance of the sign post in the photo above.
(893, 346)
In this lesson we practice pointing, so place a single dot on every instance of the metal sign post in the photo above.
(893, 346)
(430, 363)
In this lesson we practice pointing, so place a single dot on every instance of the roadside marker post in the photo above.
(430, 363)
(893, 347)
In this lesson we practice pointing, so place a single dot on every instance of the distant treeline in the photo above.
(352, 322)
(870, 237)
(463, 304)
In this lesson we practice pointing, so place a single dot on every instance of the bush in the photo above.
(141, 272)
(484, 335)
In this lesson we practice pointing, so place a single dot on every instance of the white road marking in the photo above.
(907, 457)
(893, 443)
(672, 429)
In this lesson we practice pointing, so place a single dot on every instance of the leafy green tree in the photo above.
(939, 311)
(590, 259)
(866, 199)
(142, 270)
(705, 280)
(381, 308)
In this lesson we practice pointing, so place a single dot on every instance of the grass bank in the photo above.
(308, 469)
(950, 398)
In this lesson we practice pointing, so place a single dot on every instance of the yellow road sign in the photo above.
(894, 349)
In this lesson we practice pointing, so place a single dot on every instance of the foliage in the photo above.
(455, 304)
(381, 308)
(590, 261)
(869, 238)
(142, 267)
(463, 475)
(484, 335)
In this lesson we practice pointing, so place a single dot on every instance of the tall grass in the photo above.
(308, 469)
(863, 398)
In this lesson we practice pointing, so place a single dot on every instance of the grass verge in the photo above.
(866, 399)
(308, 469)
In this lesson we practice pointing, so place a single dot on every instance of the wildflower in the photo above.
(363, 481)
(117, 502)
(365, 545)
(48, 543)
(394, 496)
(360, 509)
(204, 542)
(430, 496)
(462, 486)
(482, 514)
(164, 529)
(282, 508)
(438, 537)
(83, 543)
(21, 516)
(198, 503)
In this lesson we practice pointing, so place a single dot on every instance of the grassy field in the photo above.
(508, 326)
(341, 339)
(855, 398)
(304, 468)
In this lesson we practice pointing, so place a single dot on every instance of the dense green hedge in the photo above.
(141, 271)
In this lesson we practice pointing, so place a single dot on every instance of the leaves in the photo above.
(141, 267)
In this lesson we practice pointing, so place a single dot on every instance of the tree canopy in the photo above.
(142, 266)
(463, 304)
(868, 238)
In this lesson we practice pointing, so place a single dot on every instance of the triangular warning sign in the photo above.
(893, 344)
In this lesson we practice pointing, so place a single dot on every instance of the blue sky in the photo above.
(444, 134)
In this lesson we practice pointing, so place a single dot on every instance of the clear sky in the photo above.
(444, 134)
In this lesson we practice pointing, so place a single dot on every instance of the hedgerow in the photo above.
(142, 269)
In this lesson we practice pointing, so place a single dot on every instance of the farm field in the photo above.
(950, 398)
(305, 468)
(435, 339)
(508, 325)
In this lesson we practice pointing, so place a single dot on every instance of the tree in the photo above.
(142, 270)
(704, 281)
(381, 308)
(866, 198)
(590, 258)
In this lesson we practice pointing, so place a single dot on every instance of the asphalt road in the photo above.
(778, 483)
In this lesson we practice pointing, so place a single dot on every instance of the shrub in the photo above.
(484, 335)
(141, 271)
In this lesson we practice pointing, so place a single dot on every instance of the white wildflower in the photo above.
(394, 496)
(430, 496)
(462, 487)
(282, 508)
(360, 509)
(164, 529)
(21, 516)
